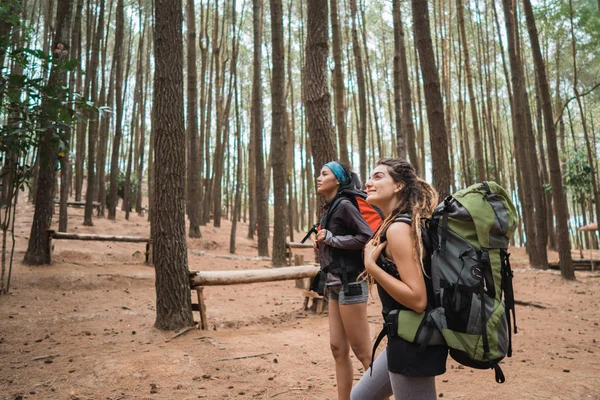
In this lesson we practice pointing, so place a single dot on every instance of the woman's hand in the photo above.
(321, 235)
(371, 254)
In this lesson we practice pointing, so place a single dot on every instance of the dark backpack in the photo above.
(467, 240)
(371, 214)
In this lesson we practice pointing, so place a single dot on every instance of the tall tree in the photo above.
(113, 198)
(402, 92)
(519, 119)
(338, 84)
(173, 300)
(433, 98)
(472, 100)
(262, 210)
(218, 157)
(193, 203)
(279, 140)
(37, 248)
(238, 136)
(560, 205)
(362, 92)
(316, 91)
(90, 195)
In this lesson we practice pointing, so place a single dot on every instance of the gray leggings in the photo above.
(384, 383)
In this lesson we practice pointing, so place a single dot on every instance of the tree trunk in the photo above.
(520, 120)
(238, 136)
(262, 210)
(173, 299)
(362, 94)
(80, 130)
(472, 100)
(433, 99)
(37, 250)
(204, 43)
(338, 84)
(216, 188)
(113, 198)
(136, 115)
(279, 139)
(192, 128)
(316, 93)
(90, 195)
(402, 92)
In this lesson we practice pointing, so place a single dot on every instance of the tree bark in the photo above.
(192, 128)
(402, 92)
(472, 100)
(433, 99)
(520, 120)
(90, 195)
(113, 198)
(173, 300)
(238, 136)
(338, 84)
(316, 92)
(216, 187)
(262, 210)
(37, 250)
(279, 139)
(362, 93)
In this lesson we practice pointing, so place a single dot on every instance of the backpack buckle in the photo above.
(391, 323)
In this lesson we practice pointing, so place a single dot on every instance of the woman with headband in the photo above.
(340, 240)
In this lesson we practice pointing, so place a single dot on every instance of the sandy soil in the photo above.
(92, 312)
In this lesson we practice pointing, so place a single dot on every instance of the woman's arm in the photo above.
(349, 215)
(410, 291)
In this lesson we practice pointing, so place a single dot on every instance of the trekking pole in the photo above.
(310, 232)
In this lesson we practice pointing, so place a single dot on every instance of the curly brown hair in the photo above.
(417, 198)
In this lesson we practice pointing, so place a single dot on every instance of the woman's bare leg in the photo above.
(356, 326)
(340, 349)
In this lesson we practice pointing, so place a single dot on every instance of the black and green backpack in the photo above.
(466, 243)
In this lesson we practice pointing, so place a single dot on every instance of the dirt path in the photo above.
(83, 329)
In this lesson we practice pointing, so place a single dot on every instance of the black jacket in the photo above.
(350, 234)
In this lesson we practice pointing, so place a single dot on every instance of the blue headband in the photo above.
(339, 172)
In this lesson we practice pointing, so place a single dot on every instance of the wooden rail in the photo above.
(237, 277)
(53, 235)
(200, 279)
(79, 204)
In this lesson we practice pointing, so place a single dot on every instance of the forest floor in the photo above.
(91, 315)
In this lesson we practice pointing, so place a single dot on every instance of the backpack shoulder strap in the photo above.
(333, 205)
(406, 218)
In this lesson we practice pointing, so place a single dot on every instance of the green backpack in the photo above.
(466, 243)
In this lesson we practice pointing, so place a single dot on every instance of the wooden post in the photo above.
(50, 246)
(201, 308)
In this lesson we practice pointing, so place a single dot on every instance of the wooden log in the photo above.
(105, 238)
(73, 203)
(229, 256)
(222, 278)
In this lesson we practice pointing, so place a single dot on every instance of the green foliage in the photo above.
(578, 177)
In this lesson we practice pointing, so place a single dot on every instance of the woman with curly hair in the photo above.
(394, 260)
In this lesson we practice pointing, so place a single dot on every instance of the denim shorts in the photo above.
(358, 292)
